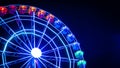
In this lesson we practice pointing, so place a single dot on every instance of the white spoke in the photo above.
(14, 53)
(49, 62)
(9, 46)
(50, 40)
(34, 27)
(42, 63)
(64, 59)
(22, 26)
(15, 61)
(59, 48)
(15, 45)
(26, 62)
(43, 33)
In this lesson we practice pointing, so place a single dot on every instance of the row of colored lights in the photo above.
(71, 39)
(23, 9)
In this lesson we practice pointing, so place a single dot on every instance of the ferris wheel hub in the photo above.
(36, 52)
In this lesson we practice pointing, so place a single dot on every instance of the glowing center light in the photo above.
(36, 52)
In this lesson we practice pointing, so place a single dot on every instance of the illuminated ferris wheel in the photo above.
(31, 37)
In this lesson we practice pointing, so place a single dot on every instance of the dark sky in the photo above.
(94, 23)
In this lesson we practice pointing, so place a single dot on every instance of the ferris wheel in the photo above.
(31, 37)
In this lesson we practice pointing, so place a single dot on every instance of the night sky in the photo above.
(96, 25)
